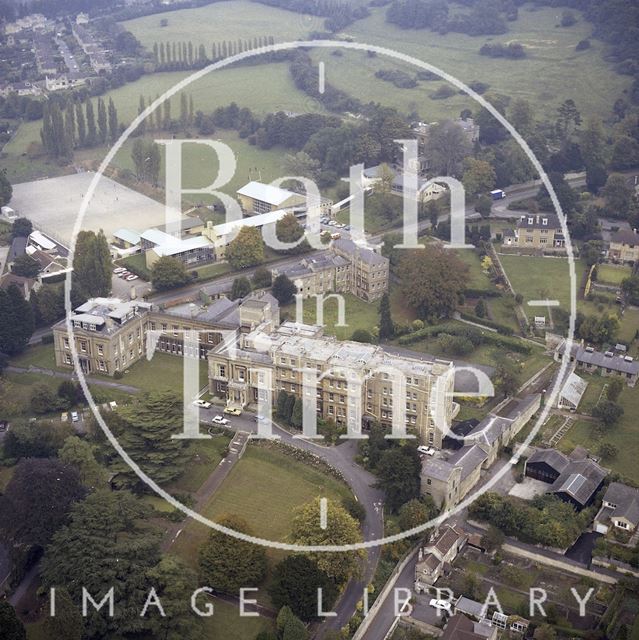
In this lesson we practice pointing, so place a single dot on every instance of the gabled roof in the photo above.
(626, 501)
(625, 236)
(266, 193)
(156, 236)
(128, 235)
(579, 480)
(615, 363)
(176, 246)
(574, 389)
(536, 221)
(369, 256)
(553, 458)
(468, 458)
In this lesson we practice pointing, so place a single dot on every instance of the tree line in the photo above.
(75, 125)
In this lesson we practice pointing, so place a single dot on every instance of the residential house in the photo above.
(26, 285)
(50, 266)
(63, 81)
(18, 248)
(624, 246)
(540, 231)
(606, 364)
(436, 554)
(620, 509)
(236, 371)
(460, 627)
(574, 479)
(467, 125)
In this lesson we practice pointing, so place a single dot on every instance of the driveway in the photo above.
(582, 550)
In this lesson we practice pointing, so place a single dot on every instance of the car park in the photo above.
(123, 274)
(221, 420)
(203, 404)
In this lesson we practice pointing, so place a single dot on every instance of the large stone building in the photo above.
(111, 335)
(536, 232)
(369, 272)
(426, 401)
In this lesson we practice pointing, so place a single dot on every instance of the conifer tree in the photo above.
(184, 111)
(81, 125)
(162, 59)
(141, 108)
(92, 133)
(114, 126)
(103, 125)
(69, 126)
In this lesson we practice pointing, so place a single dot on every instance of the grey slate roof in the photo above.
(626, 501)
(579, 480)
(552, 222)
(468, 458)
(625, 236)
(598, 359)
(17, 249)
(346, 245)
(437, 469)
(553, 458)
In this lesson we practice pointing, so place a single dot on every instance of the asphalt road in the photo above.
(341, 458)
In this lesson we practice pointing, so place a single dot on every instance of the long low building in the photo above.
(607, 363)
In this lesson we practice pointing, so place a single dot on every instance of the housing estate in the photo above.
(624, 246)
(355, 381)
(620, 509)
(574, 479)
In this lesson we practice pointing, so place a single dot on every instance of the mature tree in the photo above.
(114, 126)
(568, 119)
(446, 148)
(484, 205)
(608, 451)
(6, 190)
(545, 632)
(289, 626)
(80, 454)
(521, 116)
(173, 582)
(618, 195)
(144, 430)
(103, 123)
(37, 500)
(607, 412)
(21, 228)
(168, 273)
(147, 160)
(362, 335)
(241, 288)
(479, 176)
(81, 125)
(386, 327)
(246, 250)
(398, 471)
(262, 278)
(34, 440)
(630, 288)
(592, 142)
(289, 230)
(26, 266)
(92, 131)
(301, 164)
(283, 289)
(228, 563)
(16, 321)
(414, 513)
(295, 582)
(432, 280)
(625, 154)
(297, 414)
(507, 376)
(126, 552)
(493, 538)
(48, 304)
(341, 528)
(12, 628)
(614, 389)
(67, 622)
(44, 400)
(92, 265)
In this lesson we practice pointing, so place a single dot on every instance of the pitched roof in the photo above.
(346, 245)
(175, 246)
(468, 458)
(17, 249)
(24, 284)
(615, 363)
(536, 221)
(626, 501)
(574, 389)
(625, 236)
(266, 193)
(579, 480)
(460, 627)
(128, 235)
(553, 458)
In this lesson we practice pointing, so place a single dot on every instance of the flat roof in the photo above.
(175, 245)
(127, 235)
(266, 193)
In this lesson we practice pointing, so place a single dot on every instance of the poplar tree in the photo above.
(162, 54)
(155, 52)
(184, 111)
(81, 125)
(141, 108)
(92, 134)
(167, 113)
(69, 126)
(114, 126)
(103, 126)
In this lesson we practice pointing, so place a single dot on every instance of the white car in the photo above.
(203, 404)
(119, 270)
(131, 276)
(331, 223)
(74, 416)
(220, 420)
(442, 605)
(428, 451)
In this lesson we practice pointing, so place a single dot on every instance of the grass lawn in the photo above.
(222, 21)
(612, 274)
(226, 623)
(41, 355)
(502, 310)
(206, 455)
(539, 278)
(624, 435)
(264, 488)
(476, 278)
(540, 78)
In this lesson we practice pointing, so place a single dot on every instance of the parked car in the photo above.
(119, 270)
(64, 417)
(336, 236)
(442, 605)
(113, 404)
(233, 411)
(220, 420)
(123, 274)
(74, 416)
(331, 223)
(131, 276)
(428, 451)
(203, 404)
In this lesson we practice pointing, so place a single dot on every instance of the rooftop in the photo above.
(266, 193)
(625, 500)
(176, 246)
(625, 236)
(538, 221)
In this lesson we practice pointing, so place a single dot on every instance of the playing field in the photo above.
(53, 205)
(222, 21)
(552, 71)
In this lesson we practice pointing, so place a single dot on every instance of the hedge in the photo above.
(481, 293)
(501, 328)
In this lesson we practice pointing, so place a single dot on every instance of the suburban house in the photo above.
(572, 392)
(539, 231)
(575, 478)
(460, 627)
(606, 364)
(256, 197)
(620, 509)
(624, 246)
(51, 266)
(291, 348)
(436, 554)
(26, 285)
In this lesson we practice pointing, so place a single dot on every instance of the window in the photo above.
(83, 346)
(429, 481)
(66, 342)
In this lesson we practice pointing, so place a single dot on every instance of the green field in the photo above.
(222, 21)
(624, 435)
(206, 455)
(612, 274)
(552, 72)
(264, 488)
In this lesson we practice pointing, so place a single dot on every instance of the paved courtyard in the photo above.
(528, 489)
(52, 205)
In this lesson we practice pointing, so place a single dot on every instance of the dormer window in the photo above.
(544, 221)
(531, 220)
